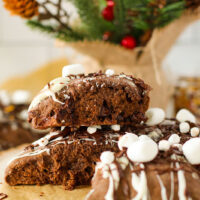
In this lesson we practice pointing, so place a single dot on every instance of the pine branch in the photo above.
(147, 14)
(169, 13)
(63, 34)
(131, 17)
(120, 19)
(89, 13)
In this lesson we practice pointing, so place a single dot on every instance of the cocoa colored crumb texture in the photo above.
(14, 128)
(93, 99)
(68, 158)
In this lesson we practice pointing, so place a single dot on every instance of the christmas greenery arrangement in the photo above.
(126, 22)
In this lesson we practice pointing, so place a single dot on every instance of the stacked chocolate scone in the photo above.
(159, 160)
(14, 128)
(86, 114)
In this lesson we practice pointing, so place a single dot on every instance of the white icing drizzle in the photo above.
(89, 140)
(109, 171)
(55, 86)
(172, 183)
(110, 193)
(47, 137)
(37, 152)
(123, 161)
(139, 183)
(115, 175)
(163, 189)
(181, 183)
(70, 142)
(129, 80)
(89, 194)
(110, 138)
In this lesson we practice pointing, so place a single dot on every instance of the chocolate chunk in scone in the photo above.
(14, 128)
(93, 99)
(163, 165)
(63, 157)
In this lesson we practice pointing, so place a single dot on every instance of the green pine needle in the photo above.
(90, 15)
(131, 17)
(65, 35)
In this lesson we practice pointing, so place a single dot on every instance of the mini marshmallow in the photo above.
(194, 132)
(164, 145)
(23, 114)
(4, 98)
(110, 72)
(91, 129)
(155, 116)
(115, 127)
(20, 97)
(185, 115)
(73, 70)
(107, 157)
(191, 150)
(126, 140)
(144, 137)
(174, 139)
(143, 150)
(97, 126)
(184, 127)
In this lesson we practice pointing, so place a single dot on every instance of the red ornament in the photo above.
(108, 13)
(128, 42)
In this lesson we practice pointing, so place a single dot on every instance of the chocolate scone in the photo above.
(86, 100)
(63, 157)
(14, 128)
(164, 165)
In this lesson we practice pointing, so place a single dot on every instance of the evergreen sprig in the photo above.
(93, 23)
(137, 18)
(62, 34)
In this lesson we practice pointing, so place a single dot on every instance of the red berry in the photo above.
(106, 35)
(128, 42)
(110, 3)
(108, 14)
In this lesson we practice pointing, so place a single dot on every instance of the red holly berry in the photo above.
(108, 13)
(128, 42)
(110, 3)
(106, 35)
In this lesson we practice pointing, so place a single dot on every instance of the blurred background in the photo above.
(23, 50)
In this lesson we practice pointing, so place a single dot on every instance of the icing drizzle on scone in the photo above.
(70, 73)
(174, 151)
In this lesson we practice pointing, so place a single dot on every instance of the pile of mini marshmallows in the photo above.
(143, 149)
